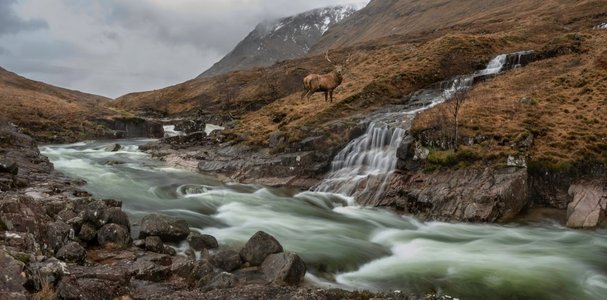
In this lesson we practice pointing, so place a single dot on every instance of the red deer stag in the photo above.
(326, 83)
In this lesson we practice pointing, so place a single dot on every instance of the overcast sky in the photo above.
(113, 47)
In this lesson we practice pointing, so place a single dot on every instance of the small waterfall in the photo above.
(169, 131)
(362, 169)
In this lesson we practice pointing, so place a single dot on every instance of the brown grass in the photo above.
(561, 101)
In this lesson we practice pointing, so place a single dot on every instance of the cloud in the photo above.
(11, 23)
(113, 47)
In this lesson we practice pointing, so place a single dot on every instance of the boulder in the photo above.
(115, 215)
(113, 148)
(284, 268)
(192, 270)
(202, 241)
(228, 260)
(9, 167)
(114, 236)
(58, 234)
(96, 213)
(221, 281)
(258, 247)
(589, 205)
(72, 252)
(154, 244)
(169, 229)
(87, 232)
(12, 276)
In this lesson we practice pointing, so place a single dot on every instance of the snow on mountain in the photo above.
(282, 39)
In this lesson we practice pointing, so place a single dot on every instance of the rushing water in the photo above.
(349, 246)
(363, 167)
(353, 247)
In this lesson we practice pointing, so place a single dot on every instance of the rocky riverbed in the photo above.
(59, 242)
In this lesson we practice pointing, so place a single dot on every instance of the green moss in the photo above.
(449, 158)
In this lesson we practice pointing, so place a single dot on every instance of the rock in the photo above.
(202, 241)
(96, 213)
(48, 271)
(284, 268)
(468, 195)
(154, 244)
(192, 270)
(87, 232)
(169, 229)
(12, 276)
(113, 148)
(589, 205)
(258, 247)
(115, 215)
(516, 161)
(168, 250)
(72, 252)
(59, 233)
(228, 260)
(139, 243)
(277, 139)
(114, 236)
(9, 167)
(221, 281)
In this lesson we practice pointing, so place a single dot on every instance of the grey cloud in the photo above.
(10, 23)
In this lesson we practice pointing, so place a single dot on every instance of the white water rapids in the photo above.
(348, 246)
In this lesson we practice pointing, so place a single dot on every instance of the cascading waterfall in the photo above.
(364, 166)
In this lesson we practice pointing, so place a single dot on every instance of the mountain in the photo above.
(49, 113)
(423, 20)
(282, 39)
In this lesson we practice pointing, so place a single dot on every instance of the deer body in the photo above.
(326, 83)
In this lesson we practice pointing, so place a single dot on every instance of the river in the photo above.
(346, 245)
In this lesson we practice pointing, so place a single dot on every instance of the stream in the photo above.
(348, 246)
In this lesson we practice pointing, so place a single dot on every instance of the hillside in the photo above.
(260, 104)
(50, 113)
(277, 40)
(415, 20)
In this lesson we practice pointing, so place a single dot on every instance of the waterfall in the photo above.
(364, 166)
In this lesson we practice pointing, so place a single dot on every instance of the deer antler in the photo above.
(327, 56)
(348, 58)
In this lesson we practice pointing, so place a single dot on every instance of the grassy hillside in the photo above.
(47, 112)
(386, 65)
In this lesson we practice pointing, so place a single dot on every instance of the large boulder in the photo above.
(227, 260)
(154, 244)
(72, 252)
(11, 277)
(284, 268)
(258, 247)
(199, 241)
(169, 229)
(589, 205)
(117, 216)
(58, 234)
(114, 236)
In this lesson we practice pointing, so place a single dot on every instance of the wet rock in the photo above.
(154, 244)
(169, 229)
(221, 281)
(114, 236)
(168, 250)
(470, 195)
(59, 233)
(95, 213)
(192, 270)
(284, 268)
(151, 267)
(48, 271)
(113, 148)
(72, 287)
(87, 232)
(202, 241)
(12, 276)
(589, 205)
(228, 260)
(140, 243)
(258, 247)
(112, 202)
(72, 252)
(115, 215)
(9, 167)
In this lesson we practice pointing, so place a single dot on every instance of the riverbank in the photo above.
(59, 242)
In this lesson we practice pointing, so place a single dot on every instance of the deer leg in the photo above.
(326, 96)
(305, 93)
(331, 94)
(310, 93)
